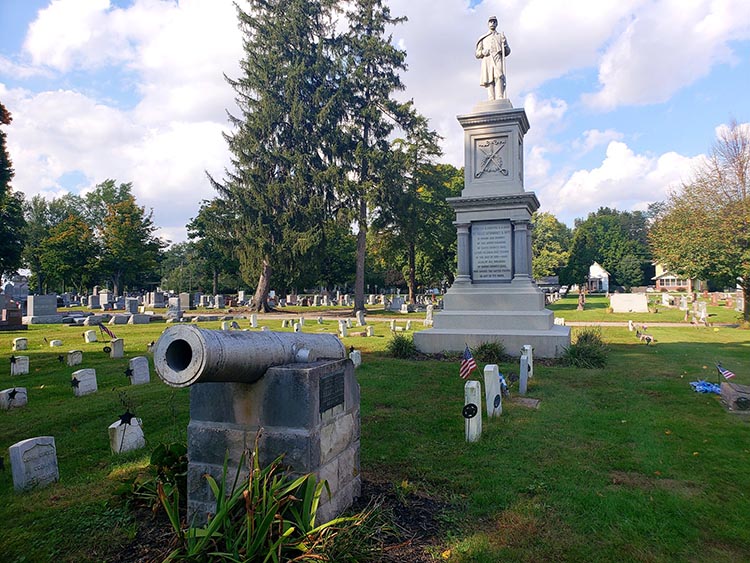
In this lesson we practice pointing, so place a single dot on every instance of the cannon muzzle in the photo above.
(186, 354)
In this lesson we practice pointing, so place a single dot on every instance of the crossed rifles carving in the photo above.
(491, 157)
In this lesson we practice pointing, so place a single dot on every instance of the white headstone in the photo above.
(297, 327)
(225, 325)
(492, 392)
(361, 318)
(473, 410)
(302, 321)
(120, 319)
(428, 315)
(348, 323)
(408, 325)
(528, 351)
(343, 332)
(393, 324)
(75, 357)
(55, 343)
(19, 365)
(371, 299)
(523, 375)
(265, 329)
(370, 330)
(90, 336)
(34, 463)
(356, 357)
(84, 382)
(139, 370)
(254, 320)
(13, 398)
(125, 437)
(118, 348)
(631, 328)
(284, 323)
(139, 319)
(20, 344)
(559, 321)
(320, 320)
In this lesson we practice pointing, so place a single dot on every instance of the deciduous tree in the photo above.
(12, 222)
(703, 231)
(550, 243)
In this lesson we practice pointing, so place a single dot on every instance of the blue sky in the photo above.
(623, 97)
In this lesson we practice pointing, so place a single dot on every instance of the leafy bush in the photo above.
(168, 467)
(588, 351)
(490, 352)
(401, 346)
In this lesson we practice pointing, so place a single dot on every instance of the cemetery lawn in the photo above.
(624, 463)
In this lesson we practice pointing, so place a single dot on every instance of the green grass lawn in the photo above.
(625, 463)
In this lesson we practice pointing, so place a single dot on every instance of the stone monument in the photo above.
(494, 296)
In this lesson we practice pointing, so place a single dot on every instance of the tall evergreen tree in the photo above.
(12, 222)
(213, 242)
(280, 181)
(372, 65)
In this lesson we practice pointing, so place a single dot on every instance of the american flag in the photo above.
(106, 331)
(467, 364)
(725, 372)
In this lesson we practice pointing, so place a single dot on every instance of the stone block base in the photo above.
(43, 320)
(736, 397)
(546, 343)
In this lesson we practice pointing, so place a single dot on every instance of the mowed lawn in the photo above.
(625, 463)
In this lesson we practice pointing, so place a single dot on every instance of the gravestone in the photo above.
(34, 463)
(218, 301)
(492, 392)
(55, 343)
(185, 302)
(20, 344)
(683, 303)
(139, 319)
(631, 328)
(83, 382)
(126, 434)
(320, 320)
(528, 351)
(131, 305)
(326, 301)
(393, 325)
(523, 375)
(118, 348)
(241, 297)
(316, 300)
(629, 302)
(19, 365)
(94, 302)
(361, 318)
(372, 299)
(428, 319)
(408, 325)
(42, 309)
(297, 327)
(284, 323)
(13, 398)
(119, 320)
(370, 330)
(703, 309)
(11, 316)
(174, 310)
(226, 325)
(302, 321)
(254, 320)
(348, 323)
(90, 336)
(356, 357)
(494, 295)
(74, 358)
(472, 411)
(396, 304)
(343, 332)
(139, 372)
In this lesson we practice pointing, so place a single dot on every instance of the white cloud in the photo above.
(592, 138)
(624, 180)
(670, 45)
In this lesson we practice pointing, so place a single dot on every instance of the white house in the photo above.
(598, 278)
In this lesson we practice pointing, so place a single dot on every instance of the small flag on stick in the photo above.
(467, 364)
(725, 372)
(106, 331)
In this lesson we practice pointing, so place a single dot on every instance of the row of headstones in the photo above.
(34, 461)
(495, 387)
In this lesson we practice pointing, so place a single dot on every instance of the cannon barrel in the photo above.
(186, 354)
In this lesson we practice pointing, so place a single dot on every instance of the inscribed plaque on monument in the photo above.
(488, 158)
(331, 392)
(491, 251)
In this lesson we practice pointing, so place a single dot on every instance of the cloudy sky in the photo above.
(623, 96)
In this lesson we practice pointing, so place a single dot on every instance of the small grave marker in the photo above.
(472, 411)
(528, 351)
(118, 348)
(254, 321)
(370, 330)
(492, 390)
(90, 336)
(126, 434)
(139, 370)
(83, 382)
(13, 398)
(523, 376)
(34, 463)
(356, 357)
(74, 358)
(20, 344)
(19, 365)
(55, 343)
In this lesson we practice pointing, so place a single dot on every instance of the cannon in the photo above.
(186, 354)
(297, 391)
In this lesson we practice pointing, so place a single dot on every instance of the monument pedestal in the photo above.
(494, 297)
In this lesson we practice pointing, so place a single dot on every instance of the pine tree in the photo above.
(373, 65)
(282, 173)
(12, 223)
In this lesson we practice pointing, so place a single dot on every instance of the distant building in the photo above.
(598, 278)
(665, 280)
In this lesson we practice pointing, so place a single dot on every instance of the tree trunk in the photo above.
(260, 299)
(412, 272)
(359, 280)
(215, 280)
(746, 301)
(115, 286)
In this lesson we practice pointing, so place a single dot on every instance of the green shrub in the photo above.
(490, 353)
(588, 351)
(401, 346)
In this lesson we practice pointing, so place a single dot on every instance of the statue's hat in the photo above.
(492, 18)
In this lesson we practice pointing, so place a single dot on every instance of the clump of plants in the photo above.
(167, 468)
(269, 516)
(588, 351)
(401, 346)
(490, 352)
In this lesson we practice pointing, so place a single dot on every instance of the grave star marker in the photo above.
(126, 418)
(74, 383)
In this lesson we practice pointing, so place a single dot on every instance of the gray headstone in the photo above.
(124, 437)
(472, 424)
(41, 305)
(492, 391)
(139, 369)
(90, 336)
(19, 365)
(523, 375)
(84, 382)
(13, 398)
(34, 463)
(118, 348)
(75, 357)
(20, 344)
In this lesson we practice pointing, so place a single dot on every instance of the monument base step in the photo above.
(494, 320)
(546, 343)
